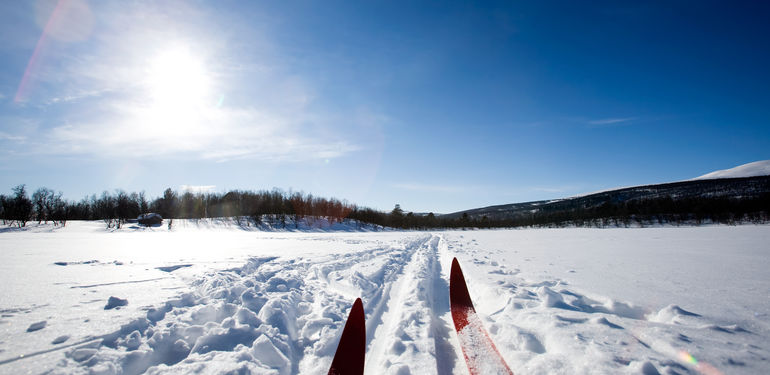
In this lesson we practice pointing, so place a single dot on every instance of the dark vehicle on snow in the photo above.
(149, 219)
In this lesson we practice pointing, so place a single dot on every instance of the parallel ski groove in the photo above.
(414, 335)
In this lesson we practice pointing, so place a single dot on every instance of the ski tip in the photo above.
(455, 266)
(356, 321)
(458, 290)
(351, 350)
(456, 274)
(358, 308)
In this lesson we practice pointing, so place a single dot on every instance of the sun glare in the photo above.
(177, 80)
(178, 94)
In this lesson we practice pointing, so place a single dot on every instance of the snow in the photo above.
(219, 297)
(36, 326)
(757, 168)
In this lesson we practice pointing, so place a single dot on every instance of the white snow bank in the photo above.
(757, 168)
(268, 223)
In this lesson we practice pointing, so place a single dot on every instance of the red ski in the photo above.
(480, 352)
(349, 358)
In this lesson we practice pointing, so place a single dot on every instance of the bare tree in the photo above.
(41, 199)
(19, 207)
(105, 209)
(144, 206)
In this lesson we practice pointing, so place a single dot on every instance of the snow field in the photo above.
(228, 300)
(545, 320)
(269, 316)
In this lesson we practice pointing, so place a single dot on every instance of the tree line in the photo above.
(116, 208)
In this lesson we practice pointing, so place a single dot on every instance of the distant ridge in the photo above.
(683, 193)
(747, 181)
(757, 168)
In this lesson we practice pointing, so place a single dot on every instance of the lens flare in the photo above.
(687, 357)
(700, 367)
(68, 21)
(33, 60)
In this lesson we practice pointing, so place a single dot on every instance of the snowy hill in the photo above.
(712, 198)
(757, 168)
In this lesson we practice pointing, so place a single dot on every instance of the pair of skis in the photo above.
(480, 352)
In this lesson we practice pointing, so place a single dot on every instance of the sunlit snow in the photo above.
(215, 297)
(757, 168)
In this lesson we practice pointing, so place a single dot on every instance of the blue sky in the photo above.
(437, 106)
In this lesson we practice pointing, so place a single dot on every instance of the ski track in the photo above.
(282, 316)
(413, 338)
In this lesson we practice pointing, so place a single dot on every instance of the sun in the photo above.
(177, 95)
(177, 79)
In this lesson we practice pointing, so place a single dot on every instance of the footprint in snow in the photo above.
(36, 326)
(649, 369)
(570, 320)
(531, 343)
(672, 314)
(60, 340)
(604, 321)
(173, 268)
(731, 329)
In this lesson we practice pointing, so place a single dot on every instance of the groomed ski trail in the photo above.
(272, 315)
(414, 336)
(277, 315)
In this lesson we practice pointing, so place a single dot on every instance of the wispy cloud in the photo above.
(217, 134)
(11, 137)
(615, 121)
(75, 96)
(106, 100)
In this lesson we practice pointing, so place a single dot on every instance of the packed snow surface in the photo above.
(757, 168)
(210, 297)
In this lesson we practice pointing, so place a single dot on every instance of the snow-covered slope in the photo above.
(212, 301)
(757, 168)
(706, 187)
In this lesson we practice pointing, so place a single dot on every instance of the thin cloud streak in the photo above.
(218, 134)
(10, 137)
(611, 121)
